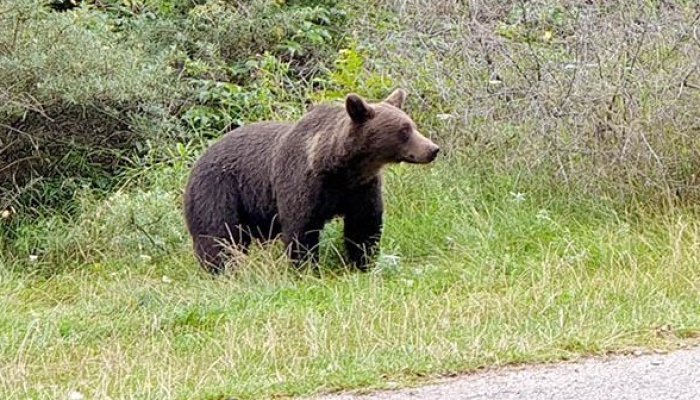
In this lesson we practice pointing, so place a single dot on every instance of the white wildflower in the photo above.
(75, 395)
(518, 197)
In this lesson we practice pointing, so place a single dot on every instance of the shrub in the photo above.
(305, 36)
(70, 89)
(600, 97)
(84, 91)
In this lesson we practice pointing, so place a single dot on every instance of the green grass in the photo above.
(472, 275)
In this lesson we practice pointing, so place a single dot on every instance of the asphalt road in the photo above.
(673, 376)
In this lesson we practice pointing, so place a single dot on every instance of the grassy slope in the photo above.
(482, 279)
(482, 265)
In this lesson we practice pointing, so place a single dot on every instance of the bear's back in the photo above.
(240, 164)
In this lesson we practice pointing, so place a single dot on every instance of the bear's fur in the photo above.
(268, 179)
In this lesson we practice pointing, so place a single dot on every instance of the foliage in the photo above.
(351, 73)
(222, 106)
(599, 97)
(86, 90)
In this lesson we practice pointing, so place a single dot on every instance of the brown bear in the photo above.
(268, 179)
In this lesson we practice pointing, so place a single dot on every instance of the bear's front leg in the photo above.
(363, 226)
(362, 240)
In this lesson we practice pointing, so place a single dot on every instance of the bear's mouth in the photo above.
(411, 159)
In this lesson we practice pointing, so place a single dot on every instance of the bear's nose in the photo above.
(434, 152)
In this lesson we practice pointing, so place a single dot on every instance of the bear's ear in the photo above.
(358, 109)
(397, 98)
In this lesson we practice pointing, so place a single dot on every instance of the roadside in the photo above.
(674, 376)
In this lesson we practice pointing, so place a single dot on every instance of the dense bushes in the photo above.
(84, 91)
(602, 97)
(70, 90)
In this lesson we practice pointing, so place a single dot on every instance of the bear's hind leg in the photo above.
(214, 251)
(209, 255)
(212, 214)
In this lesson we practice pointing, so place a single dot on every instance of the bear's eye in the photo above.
(404, 133)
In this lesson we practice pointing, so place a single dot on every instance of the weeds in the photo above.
(595, 96)
(468, 277)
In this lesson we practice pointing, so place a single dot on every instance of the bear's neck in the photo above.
(339, 158)
(360, 170)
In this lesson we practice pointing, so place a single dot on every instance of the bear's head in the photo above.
(384, 133)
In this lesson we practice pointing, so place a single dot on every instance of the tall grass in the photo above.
(474, 272)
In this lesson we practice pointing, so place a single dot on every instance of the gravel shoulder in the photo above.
(669, 376)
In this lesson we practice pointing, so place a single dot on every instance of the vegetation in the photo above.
(560, 222)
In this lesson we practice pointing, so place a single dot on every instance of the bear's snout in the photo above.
(430, 153)
(433, 153)
(421, 150)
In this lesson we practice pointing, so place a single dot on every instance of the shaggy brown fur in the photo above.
(269, 179)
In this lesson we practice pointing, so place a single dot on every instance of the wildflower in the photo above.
(518, 197)
(75, 395)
